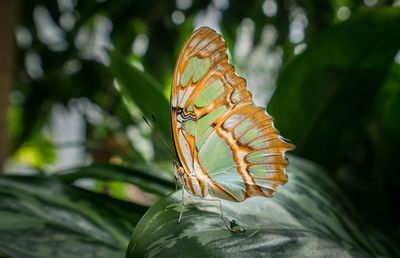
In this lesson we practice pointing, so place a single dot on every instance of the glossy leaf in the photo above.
(323, 92)
(144, 176)
(303, 219)
(388, 105)
(42, 217)
(143, 89)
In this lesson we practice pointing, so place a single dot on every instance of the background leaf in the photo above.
(333, 102)
(146, 177)
(143, 89)
(42, 217)
(326, 90)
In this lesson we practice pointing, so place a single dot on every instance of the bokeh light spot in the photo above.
(221, 4)
(298, 49)
(23, 37)
(343, 13)
(140, 45)
(397, 57)
(370, 2)
(183, 4)
(33, 65)
(270, 8)
(178, 17)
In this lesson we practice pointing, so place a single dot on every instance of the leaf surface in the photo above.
(43, 217)
(305, 218)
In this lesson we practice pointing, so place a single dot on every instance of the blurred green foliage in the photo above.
(337, 96)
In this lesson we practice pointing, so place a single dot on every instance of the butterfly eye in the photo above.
(180, 171)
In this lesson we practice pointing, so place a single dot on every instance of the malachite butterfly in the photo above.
(227, 147)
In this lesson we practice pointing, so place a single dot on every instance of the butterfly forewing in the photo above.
(228, 147)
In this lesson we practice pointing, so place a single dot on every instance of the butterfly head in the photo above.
(179, 171)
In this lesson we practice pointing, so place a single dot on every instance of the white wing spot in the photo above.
(184, 96)
(228, 78)
(178, 79)
(232, 121)
(211, 47)
(235, 96)
(194, 42)
(185, 148)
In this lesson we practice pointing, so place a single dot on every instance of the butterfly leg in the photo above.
(222, 213)
(183, 206)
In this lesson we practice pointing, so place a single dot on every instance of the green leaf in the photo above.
(42, 217)
(144, 176)
(388, 105)
(142, 89)
(327, 89)
(305, 218)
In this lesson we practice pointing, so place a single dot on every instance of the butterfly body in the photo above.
(227, 147)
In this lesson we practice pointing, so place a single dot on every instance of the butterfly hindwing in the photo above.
(225, 144)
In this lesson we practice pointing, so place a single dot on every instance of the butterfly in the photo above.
(227, 148)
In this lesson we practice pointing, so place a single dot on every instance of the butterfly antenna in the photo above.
(164, 141)
(160, 138)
